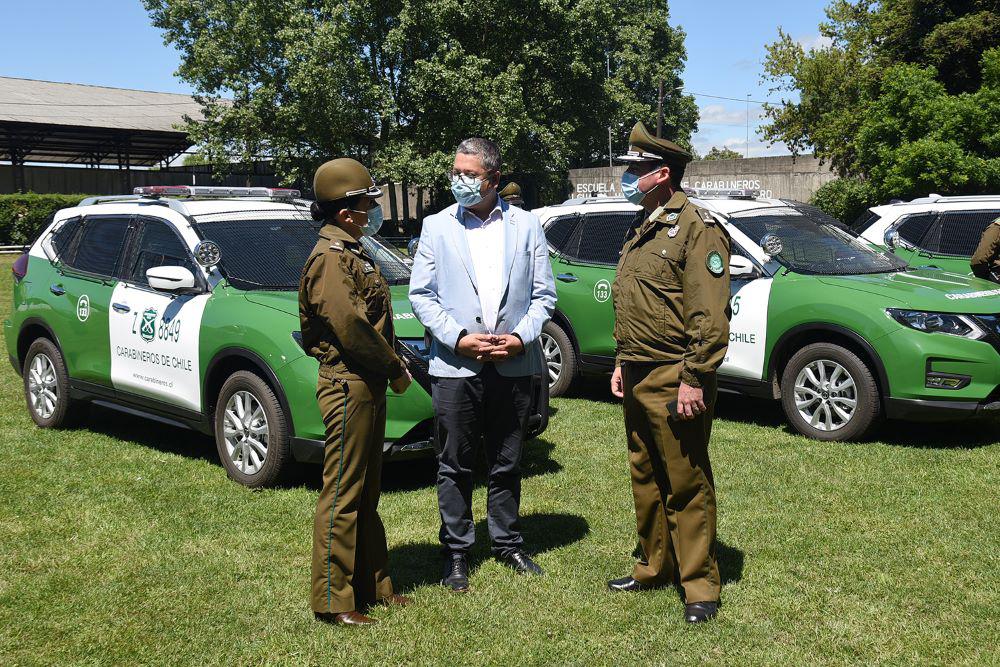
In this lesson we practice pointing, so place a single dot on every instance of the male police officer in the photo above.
(671, 299)
(986, 260)
(345, 312)
(511, 193)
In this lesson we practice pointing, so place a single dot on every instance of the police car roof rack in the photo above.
(706, 193)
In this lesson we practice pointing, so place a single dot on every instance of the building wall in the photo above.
(783, 177)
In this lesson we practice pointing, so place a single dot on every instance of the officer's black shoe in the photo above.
(699, 612)
(456, 573)
(520, 562)
(628, 585)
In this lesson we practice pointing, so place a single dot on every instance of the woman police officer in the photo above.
(345, 312)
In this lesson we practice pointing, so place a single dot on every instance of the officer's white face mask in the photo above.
(630, 186)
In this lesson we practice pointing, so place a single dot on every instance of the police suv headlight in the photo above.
(945, 323)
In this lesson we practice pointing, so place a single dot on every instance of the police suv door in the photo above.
(749, 302)
(155, 334)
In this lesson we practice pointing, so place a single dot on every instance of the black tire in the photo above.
(567, 363)
(244, 464)
(45, 412)
(829, 402)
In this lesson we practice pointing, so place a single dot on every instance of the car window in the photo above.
(599, 238)
(158, 245)
(100, 245)
(62, 239)
(960, 231)
(913, 228)
(812, 242)
(558, 231)
(864, 221)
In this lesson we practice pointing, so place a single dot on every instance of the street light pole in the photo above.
(611, 164)
(659, 112)
(748, 125)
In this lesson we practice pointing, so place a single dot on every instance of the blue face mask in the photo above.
(374, 223)
(630, 188)
(466, 190)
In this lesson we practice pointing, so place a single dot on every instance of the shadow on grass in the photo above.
(966, 434)
(418, 564)
(150, 433)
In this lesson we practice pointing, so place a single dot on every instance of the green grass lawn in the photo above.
(123, 542)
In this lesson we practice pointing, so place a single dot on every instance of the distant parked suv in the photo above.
(180, 304)
(931, 231)
(839, 330)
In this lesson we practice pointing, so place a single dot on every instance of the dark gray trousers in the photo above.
(492, 410)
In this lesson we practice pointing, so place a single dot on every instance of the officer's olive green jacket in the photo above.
(345, 311)
(986, 260)
(671, 291)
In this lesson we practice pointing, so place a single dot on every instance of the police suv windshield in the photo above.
(814, 242)
(266, 250)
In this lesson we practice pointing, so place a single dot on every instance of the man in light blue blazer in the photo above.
(482, 287)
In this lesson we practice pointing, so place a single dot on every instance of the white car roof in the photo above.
(722, 205)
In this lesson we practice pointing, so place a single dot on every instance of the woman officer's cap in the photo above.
(644, 147)
(341, 178)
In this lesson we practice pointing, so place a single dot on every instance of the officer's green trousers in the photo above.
(350, 558)
(671, 482)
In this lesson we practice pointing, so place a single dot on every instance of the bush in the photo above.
(23, 216)
(845, 198)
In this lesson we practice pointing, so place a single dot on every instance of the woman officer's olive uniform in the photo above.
(346, 317)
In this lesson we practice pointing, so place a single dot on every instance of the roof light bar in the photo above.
(214, 191)
(705, 193)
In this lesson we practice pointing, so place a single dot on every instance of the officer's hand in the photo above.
(504, 347)
(400, 384)
(690, 402)
(474, 345)
(617, 386)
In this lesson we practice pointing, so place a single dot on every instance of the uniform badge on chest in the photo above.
(673, 230)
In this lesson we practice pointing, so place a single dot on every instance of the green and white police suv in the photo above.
(839, 330)
(181, 304)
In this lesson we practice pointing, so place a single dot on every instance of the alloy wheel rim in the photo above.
(246, 432)
(553, 358)
(43, 392)
(826, 395)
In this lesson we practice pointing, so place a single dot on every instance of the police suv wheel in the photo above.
(828, 393)
(251, 431)
(560, 358)
(46, 386)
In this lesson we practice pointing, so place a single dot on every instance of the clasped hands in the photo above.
(490, 347)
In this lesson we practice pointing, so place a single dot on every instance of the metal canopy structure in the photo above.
(68, 123)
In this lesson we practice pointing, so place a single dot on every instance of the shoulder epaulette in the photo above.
(337, 245)
(706, 217)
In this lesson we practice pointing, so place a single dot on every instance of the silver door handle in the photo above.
(567, 277)
(120, 308)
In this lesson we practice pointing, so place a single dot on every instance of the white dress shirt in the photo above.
(486, 246)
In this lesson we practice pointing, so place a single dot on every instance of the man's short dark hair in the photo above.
(484, 149)
(676, 172)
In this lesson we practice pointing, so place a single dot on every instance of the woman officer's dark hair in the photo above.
(322, 211)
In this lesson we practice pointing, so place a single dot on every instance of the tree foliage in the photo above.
(398, 83)
(722, 154)
(906, 97)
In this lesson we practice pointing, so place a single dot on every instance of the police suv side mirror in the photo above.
(741, 267)
(170, 278)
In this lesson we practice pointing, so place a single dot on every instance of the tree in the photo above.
(903, 102)
(398, 83)
(722, 154)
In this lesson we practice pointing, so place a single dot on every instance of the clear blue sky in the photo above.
(110, 43)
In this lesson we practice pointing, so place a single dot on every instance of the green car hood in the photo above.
(404, 321)
(926, 289)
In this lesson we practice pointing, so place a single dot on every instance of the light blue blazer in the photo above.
(444, 296)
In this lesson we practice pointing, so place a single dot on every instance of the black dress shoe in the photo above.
(346, 618)
(520, 562)
(628, 585)
(699, 612)
(456, 573)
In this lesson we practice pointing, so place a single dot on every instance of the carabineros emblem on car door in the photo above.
(147, 328)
